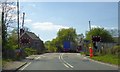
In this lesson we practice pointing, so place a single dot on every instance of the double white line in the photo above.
(66, 64)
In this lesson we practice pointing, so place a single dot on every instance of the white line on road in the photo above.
(37, 58)
(61, 57)
(43, 56)
(78, 54)
(26, 66)
(69, 65)
(66, 65)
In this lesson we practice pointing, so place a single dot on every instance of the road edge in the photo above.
(20, 66)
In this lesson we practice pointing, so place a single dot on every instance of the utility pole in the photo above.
(90, 35)
(23, 20)
(89, 25)
(18, 22)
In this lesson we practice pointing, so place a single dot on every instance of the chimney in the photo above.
(21, 31)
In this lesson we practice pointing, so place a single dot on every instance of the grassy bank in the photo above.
(108, 58)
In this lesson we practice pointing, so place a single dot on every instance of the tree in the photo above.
(104, 34)
(66, 35)
(7, 18)
(62, 35)
(12, 39)
(50, 46)
(79, 39)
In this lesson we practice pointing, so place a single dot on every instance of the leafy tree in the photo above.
(104, 34)
(62, 35)
(12, 39)
(67, 34)
(50, 46)
(80, 38)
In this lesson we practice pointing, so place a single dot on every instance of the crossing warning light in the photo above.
(96, 38)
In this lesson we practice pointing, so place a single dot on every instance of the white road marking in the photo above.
(85, 58)
(26, 66)
(78, 54)
(43, 56)
(69, 65)
(66, 62)
(37, 58)
(66, 65)
(59, 56)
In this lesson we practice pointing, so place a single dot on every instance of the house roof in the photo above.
(31, 35)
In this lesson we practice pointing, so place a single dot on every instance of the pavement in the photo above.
(13, 66)
(16, 65)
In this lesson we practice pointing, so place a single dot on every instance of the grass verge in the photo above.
(111, 59)
(5, 61)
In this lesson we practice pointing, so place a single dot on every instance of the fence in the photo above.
(107, 45)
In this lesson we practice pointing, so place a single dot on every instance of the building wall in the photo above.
(25, 45)
(35, 44)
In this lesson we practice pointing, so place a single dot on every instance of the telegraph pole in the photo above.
(90, 30)
(89, 25)
(23, 20)
(18, 22)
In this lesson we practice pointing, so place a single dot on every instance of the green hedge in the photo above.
(30, 51)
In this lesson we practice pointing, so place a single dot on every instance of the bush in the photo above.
(30, 51)
(115, 50)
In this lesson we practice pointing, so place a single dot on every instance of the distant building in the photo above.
(30, 40)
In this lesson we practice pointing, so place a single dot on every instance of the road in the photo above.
(64, 61)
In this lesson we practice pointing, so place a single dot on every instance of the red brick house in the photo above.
(30, 40)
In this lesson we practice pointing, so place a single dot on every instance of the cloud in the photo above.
(95, 26)
(107, 28)
(33, 5)
(47, 26)
(27, 20)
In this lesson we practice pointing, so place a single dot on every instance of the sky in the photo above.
(46, 18)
